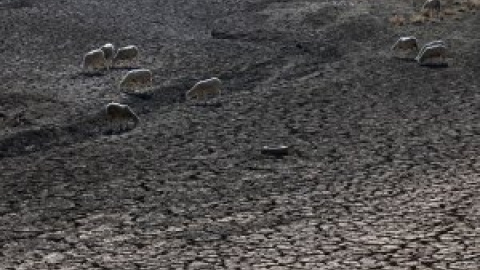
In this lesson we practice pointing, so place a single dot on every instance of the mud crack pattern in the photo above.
(383, 167)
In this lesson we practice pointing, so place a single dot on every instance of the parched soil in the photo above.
(383, 164)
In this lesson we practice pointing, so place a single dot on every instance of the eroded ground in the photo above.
(384, 167)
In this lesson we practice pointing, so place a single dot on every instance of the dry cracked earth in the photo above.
(382, 173)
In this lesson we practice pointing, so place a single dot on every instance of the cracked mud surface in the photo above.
(383, 171)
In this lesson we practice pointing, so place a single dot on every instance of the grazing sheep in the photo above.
(406, 44)
(120, 112)
(109, 51)
(431, 53)
(137, 77)
(128, 53)
(430, 44)
(203, 88)
(94, 60)
(431, 6)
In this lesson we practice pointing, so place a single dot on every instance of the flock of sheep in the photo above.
(432, 53)
(106, 57)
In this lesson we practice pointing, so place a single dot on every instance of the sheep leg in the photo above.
(99, 68)
(110, 126)
(202, 97)
(89, 69)
(114, 127)
(118, 128)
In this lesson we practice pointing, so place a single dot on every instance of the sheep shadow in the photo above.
(128, 68)
(140, 95)
(140, 92)
(435, 65)
(171, 93)
(92, 74)
(112, 132)
(405, 59)
(427, 65)
(213, 104)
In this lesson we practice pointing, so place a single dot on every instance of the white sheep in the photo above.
(406, 44)
(94, 60)
(128, 53)
(137, 77)
(431, 53)
(203, 88)
(431, 6)
(109, 52)
(430, 44)
(120, 112)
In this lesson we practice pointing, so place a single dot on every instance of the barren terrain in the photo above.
(383, 167)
